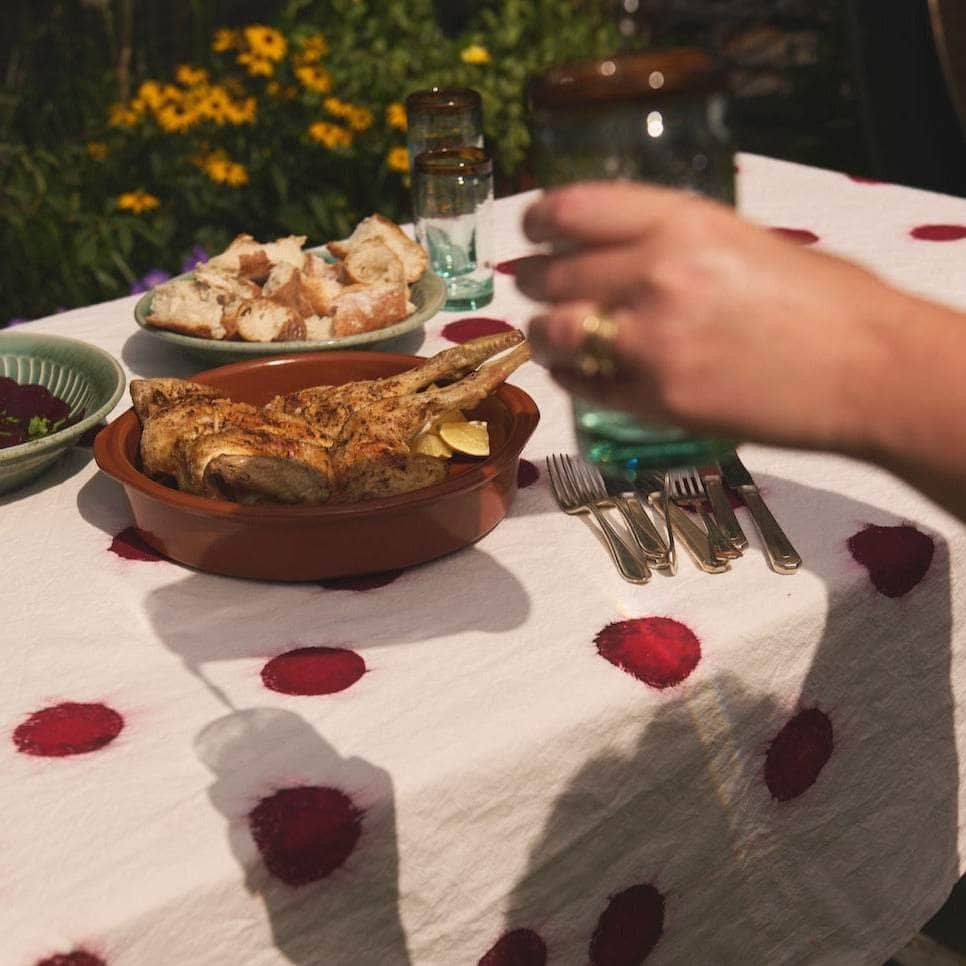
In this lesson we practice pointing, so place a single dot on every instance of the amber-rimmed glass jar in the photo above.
(443, 117)
(656, 116)
(453, 208)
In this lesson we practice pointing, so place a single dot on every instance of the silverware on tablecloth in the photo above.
(649, 539)
(688, 491)
(695, 540)
(570, 489)
(721, 507)
(782, 556)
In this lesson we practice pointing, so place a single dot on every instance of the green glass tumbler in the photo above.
(656, 116)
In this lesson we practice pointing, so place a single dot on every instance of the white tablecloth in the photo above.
(540, 762)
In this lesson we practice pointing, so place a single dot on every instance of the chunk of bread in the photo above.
(318, 327)
(364, 308)
(251, 259)
(322, 283)
(378, 227)
(189, 306)
(373, 261)
(285, 285)
(263, 320)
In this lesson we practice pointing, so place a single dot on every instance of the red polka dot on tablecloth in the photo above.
(78, 957)
(527, 474)
(509, 267)
(305, 833)
(801, 236)
(462, 330)
(313, 670)
(629, 928)
(897, 558)
(939, 233)
(68, 729)
(797, 754)
(519, 947)
(129, 545)
(659, 651)
(361, 581)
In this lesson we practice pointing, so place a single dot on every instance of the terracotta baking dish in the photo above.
(312, 543)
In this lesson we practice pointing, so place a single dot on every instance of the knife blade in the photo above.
(720, 507)
(782, 556)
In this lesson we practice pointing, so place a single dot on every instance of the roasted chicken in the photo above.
(338, 444)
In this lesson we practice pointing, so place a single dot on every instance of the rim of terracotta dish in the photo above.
(111, 457)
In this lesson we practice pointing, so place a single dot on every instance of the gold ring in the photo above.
(596, 356)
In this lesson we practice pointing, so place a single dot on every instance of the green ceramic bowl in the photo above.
(86, 378)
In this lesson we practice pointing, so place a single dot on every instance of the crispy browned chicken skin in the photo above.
(339, 444)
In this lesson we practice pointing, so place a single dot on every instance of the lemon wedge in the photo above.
(429, 444)
(470, 438)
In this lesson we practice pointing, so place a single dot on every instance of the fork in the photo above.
(689, 492)
(572, 497)
(649, 541)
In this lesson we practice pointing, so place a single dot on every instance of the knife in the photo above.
(720, 507)
(782, 556)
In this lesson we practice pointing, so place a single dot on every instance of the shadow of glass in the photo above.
(840, 867)
(326, 867)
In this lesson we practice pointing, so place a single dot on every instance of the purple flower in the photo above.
(197, 256)
(155, 277)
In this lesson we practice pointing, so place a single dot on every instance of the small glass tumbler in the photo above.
(654, 116)
(453, 208)
(443, 117)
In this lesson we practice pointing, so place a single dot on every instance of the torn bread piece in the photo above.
(254, 260)
(378, 227)
(322, 282)
(364, 308)
(285, 285)
(371, 262)
(263, 320)
(189, 306)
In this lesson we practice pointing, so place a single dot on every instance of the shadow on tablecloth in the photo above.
(681, 843)
(315, 834)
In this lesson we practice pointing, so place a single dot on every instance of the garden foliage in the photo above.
(294, 124)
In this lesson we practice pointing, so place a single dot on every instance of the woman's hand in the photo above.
(724, 327)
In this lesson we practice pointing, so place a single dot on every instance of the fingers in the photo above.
(605, 275)
(595, 213)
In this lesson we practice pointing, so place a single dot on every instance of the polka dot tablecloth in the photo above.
(507, 757)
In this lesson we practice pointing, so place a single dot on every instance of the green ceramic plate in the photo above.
(428, 295)
(86, 378)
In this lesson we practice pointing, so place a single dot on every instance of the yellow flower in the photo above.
(125, 115)
(359, 118)
(215, 105)
(475, 54)
(331, 135)
(137, 201)
(266, 42)
(398, 159)
(256, 65)
(241, 112)
(312, 49)
(220, 169)
(334, 106)
(224, 39)
(190, 76)
(314, 78)
(97, 150)
(152, 94)
(396, 116)
(175, 118)
(284, 92)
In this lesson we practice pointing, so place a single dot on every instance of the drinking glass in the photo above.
(655, 116)
(453, 208)
(443, 117)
